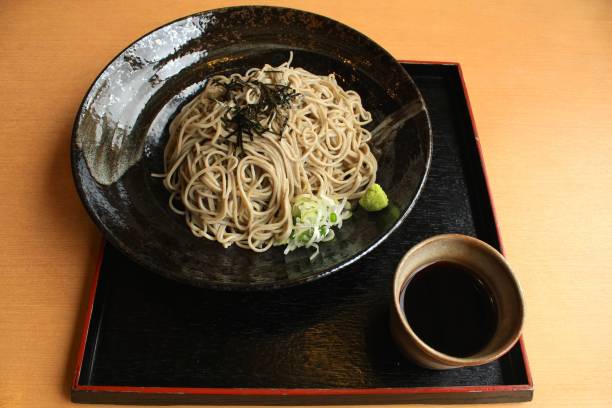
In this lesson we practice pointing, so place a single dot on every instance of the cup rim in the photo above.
(438, 356)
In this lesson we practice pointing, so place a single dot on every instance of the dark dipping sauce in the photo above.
(450, 309)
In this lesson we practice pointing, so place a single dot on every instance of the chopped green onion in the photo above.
(313, 219)
(305, 236)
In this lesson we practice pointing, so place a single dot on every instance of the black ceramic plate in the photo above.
(121, 130)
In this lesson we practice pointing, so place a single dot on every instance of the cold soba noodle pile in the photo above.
(269, 157)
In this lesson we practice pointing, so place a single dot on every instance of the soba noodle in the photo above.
(242, 194)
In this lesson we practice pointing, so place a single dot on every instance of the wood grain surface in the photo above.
(539, 75)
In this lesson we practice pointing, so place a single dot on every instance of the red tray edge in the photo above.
(77, 388)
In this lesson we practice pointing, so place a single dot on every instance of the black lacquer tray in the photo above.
(151, 340)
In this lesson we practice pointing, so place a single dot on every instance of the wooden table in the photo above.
(540, 80)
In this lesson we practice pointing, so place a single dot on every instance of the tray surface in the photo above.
(327, 340)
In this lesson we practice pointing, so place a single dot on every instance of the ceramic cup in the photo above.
(489, 266)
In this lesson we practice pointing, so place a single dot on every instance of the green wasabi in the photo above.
(374, 198)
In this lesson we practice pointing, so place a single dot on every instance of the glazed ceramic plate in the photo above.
(122, 127)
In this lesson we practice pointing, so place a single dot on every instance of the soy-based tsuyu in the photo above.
(450, 309)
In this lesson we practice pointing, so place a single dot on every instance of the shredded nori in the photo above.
(253, 119)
